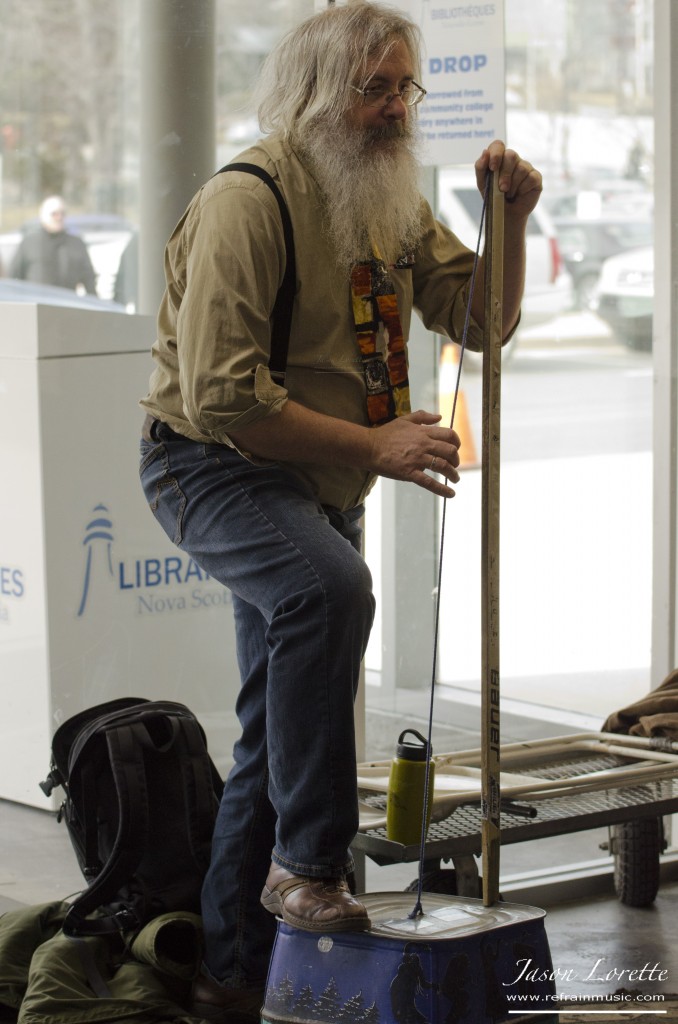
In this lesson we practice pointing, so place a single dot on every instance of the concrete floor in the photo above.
(594, 942)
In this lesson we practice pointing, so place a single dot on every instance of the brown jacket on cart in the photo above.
(653, 715)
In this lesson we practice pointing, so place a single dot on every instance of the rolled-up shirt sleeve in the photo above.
(233, 256)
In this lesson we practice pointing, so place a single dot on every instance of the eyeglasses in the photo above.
(378, 96)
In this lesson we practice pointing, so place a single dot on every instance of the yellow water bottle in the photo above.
(406, 787)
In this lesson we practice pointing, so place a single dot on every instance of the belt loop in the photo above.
(148, 429)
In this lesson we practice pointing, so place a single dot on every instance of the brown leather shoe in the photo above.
(221, 1005)
(313, 904)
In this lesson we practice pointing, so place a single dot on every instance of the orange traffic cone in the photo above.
(449, 368)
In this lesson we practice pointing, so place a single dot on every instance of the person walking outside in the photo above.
(51, 255)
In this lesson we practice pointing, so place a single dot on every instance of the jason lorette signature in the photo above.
(528, 972)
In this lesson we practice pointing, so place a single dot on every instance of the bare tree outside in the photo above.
(69, 96)
(65, 98)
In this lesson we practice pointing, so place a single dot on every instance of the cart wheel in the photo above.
(637, 845)
(441, 880)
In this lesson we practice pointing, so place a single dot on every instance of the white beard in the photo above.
(369, 180)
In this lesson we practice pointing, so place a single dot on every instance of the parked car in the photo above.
(548, 286)
(611, 197)
(585, 244)
(624, 296)
(9, 243)
(12, 290)
(105, 235)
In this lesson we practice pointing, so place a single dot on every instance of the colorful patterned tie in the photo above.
(375, 309)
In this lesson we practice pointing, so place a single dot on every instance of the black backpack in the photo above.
(142, 795)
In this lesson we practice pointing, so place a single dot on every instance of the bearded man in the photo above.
(262, 482)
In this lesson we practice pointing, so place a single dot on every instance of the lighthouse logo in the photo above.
(98, 544)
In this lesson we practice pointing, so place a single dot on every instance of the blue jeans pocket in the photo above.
(165, 498)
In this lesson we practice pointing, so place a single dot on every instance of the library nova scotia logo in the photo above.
(153, 585)
(98, 543)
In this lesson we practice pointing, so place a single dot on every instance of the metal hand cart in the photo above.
(548, 788)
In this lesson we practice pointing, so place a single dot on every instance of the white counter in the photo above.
(95, 601)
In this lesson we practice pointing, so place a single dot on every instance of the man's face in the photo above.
(391, 74)
(367, 169)
(52, 216)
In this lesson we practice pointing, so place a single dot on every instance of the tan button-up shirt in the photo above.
(224, 264)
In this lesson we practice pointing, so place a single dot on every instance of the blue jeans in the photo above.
(302, 597)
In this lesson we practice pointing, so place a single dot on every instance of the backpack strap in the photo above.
(202, 787)
(282, 310)
(95, 978)
(90, 827)
(129, 773)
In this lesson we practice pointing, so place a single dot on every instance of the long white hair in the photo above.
(310, 73)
